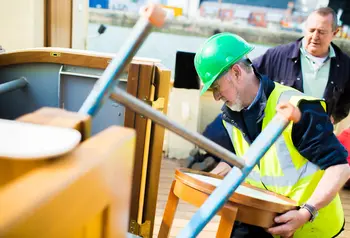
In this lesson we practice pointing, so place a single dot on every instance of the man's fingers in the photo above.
(221, 169)
(283, 218)
(224, 172)
(282, 230)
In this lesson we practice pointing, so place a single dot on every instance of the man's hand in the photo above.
(290, 222)
(221, 169)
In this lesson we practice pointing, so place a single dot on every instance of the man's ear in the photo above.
(236, 71)
(336, 32)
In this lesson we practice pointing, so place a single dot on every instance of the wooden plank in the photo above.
(82, 58)
(59, 23)
(144, 88)
(12, 169)
(162, 83)
(144, 175)
(132, 86)
(228, 217)
(169, 213)
(60, 117)
(66, 194)
(46, 19)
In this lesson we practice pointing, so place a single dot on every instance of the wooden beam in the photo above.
(162, 86)
(82, 58)
(143, 93)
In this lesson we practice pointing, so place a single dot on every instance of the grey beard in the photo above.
(237, 107)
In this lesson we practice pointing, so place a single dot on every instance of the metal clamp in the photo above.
(142, 230)
(157, 104)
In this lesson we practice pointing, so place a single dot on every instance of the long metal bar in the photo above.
(13, 85)
(194, 137)
(235, 177)
(152, 15)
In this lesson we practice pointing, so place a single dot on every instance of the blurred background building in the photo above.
(271, 14)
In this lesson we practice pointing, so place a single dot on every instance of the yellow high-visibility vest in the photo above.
(285, 171)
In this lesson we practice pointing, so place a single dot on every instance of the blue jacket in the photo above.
(282, 64)
(312, 136)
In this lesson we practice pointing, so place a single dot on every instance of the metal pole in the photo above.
(235, 177)
(194, 137)
(153, 15)
(115, 68)
(13, 85)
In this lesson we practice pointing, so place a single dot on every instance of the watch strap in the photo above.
(311, 209)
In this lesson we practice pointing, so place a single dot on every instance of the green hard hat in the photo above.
(218, 54)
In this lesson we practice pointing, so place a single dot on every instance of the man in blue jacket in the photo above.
(313, 64)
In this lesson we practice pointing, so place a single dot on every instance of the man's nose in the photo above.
(315, 35)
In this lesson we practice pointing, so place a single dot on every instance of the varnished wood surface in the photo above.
(60, 117)
(143, 127)
(59, 23)
(140, 124)
(82, 58)
(180, 174)
(145, 74)
(11, 169)
(161, 80)
(241, 207)
(185, 211)
(60, 198)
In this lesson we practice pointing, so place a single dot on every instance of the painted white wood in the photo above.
(241, 189)
(183, 109)
(80, 22)
(27, 141)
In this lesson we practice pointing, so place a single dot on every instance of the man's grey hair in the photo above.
(325, 11)
(246, 65)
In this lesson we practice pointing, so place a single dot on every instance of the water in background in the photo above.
(158, 45)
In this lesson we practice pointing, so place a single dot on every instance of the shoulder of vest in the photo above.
(294, 96)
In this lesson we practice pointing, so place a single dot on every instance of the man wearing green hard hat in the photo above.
(307, 163)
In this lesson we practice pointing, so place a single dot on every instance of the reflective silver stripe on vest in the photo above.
(252, 175)
(291, 175)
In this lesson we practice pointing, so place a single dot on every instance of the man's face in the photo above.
(318, 34)
(226, 90)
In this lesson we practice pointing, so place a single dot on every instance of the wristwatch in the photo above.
(310, 209)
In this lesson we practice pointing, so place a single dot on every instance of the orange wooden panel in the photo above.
(57, 199)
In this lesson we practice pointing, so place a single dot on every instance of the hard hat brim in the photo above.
(207, 86)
